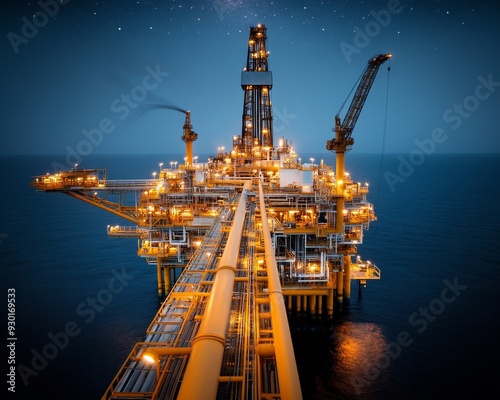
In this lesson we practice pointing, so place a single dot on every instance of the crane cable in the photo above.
(349, 95)
(384, 134)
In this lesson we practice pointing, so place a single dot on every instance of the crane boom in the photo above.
(343, 130)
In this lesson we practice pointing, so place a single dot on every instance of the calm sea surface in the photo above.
(429, 328)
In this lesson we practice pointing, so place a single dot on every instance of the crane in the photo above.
(343, 131)
(342, 143)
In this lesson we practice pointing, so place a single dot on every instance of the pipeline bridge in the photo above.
(222, 331)
(249, 254)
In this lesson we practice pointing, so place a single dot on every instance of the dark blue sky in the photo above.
(82, 66)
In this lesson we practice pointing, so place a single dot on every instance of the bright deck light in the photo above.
(150, 356)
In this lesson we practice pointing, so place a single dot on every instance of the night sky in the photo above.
(79, 75)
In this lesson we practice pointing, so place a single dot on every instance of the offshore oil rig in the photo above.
(255, 234)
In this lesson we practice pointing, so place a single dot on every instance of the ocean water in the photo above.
(428, 329)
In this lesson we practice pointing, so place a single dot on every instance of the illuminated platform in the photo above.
(256, 233)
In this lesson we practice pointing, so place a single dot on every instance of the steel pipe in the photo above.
(201, 378)
(285, 357)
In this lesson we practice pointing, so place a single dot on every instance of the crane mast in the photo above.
(343, 140)
(256, 81)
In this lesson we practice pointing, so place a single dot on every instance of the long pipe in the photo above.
(339, 227)
(285, 357)
(201, 377)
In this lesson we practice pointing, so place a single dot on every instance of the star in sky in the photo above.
(86, 50)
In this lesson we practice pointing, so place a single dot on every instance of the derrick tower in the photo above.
(256, 81)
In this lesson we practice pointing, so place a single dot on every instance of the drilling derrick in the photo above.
(256, 81)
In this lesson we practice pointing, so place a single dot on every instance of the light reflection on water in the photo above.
(359, 354)
(346, 360)
(61, 267)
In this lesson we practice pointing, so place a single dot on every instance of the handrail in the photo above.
(201, 378)
(285, 357)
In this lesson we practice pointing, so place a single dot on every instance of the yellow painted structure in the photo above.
(200, 381)
(285, 358)
(229, 266)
